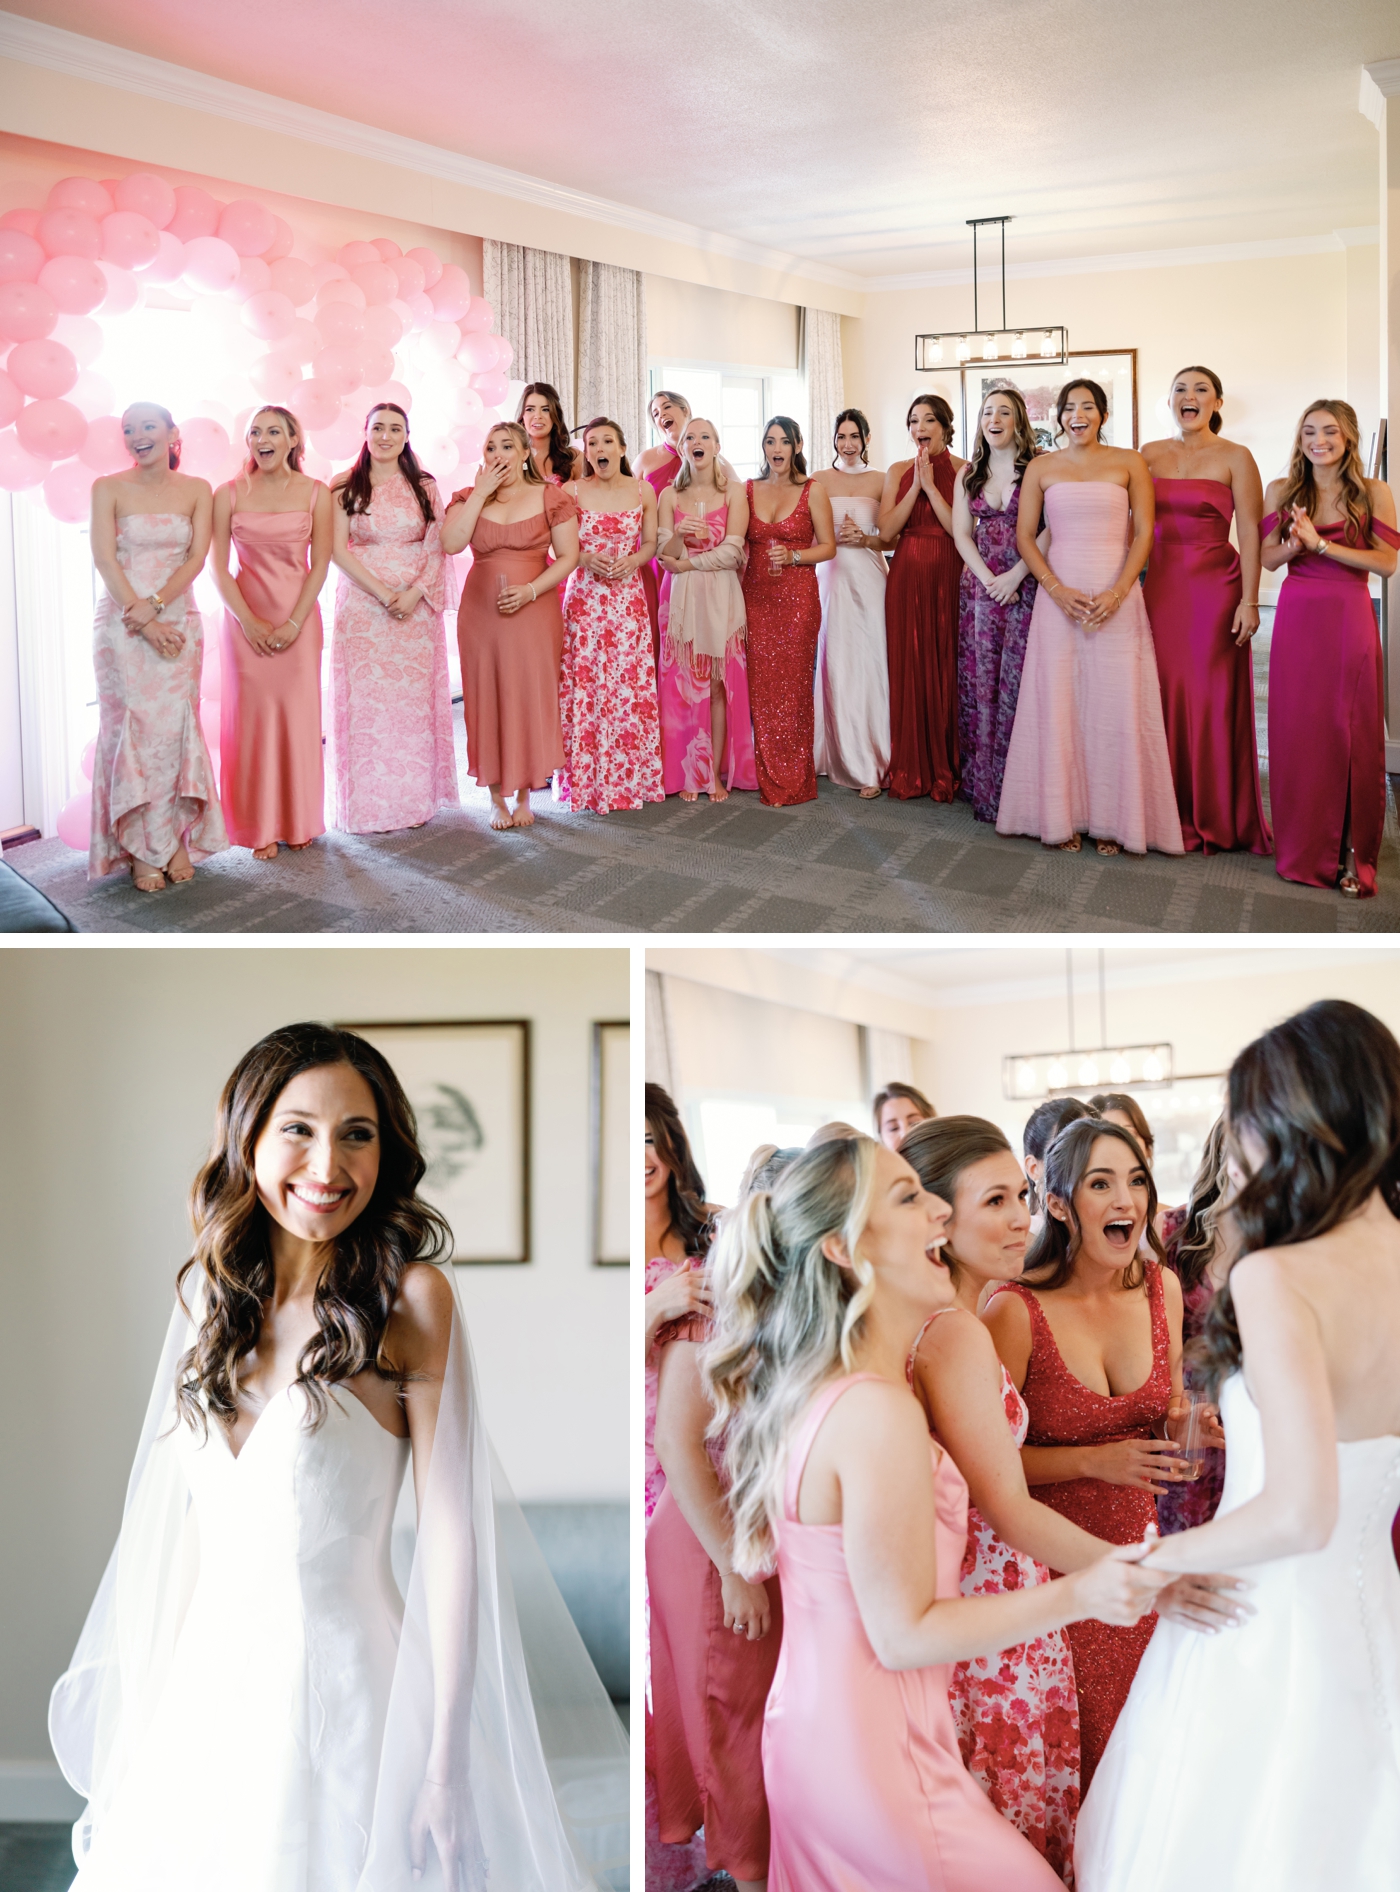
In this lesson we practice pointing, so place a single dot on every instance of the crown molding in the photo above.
(1380, 80)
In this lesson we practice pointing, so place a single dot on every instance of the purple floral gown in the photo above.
(991, 650)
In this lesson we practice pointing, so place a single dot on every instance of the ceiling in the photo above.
(857, 136)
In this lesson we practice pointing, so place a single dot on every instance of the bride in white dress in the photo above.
(254, 1705)
(853, 680)
(1267, 1759)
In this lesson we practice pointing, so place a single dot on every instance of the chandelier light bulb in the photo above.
(935, 353)
(1025, 1077)
(1120, 1071)
(989, 348)
(1152, 1068)
(964, 348)
(1057, 1076)
(1088, 1071)
(1018, 348)
(1047, 343)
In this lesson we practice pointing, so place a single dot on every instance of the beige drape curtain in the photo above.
(821, 362)
(612, 349)
(531, 292)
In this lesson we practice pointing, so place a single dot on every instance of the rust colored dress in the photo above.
(510, 665)
(921, 641)
(784, 612)
(704, 1731)
(1064, 1411)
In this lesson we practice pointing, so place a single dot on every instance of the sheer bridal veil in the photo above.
(539, 1760)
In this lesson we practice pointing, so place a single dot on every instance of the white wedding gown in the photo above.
(853, 680)
(1267, 1758)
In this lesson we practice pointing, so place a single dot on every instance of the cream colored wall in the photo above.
(687, 323)
(113, 1059)
(727, 1041)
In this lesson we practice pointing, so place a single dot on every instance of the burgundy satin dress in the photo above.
(1064, 1411)
(784, 611)
(1192, 591)
(921, 640)
(1326, 717)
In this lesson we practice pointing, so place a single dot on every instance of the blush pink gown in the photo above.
(1088, 749)
(866, 1787)
(271, 774)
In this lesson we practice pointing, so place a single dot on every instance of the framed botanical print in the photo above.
(468, 1081)
(611, 1143)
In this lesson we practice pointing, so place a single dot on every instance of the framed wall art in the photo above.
(611, 1143)
(468, 1081)
(1115, 370)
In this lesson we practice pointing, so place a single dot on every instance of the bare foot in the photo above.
(869, 794)
(1072, 846)
(147, 879)
(298, 847)
(500, 817)
(268, 853)
(1106, 848)
(524, 816)
(689, 794)
(179, 867)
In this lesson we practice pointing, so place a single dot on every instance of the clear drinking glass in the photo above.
(502, 587)
(1192, 1442)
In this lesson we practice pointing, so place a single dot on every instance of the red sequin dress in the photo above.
(1064, 1411)
(784, 612)
(921, 641)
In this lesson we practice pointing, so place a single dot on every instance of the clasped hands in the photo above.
(1091, 609)
(140, 618)
(610, 570)
(268, 639)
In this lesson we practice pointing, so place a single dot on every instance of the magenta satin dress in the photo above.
(271, 771)
(1192, 592)
(1326, 720)
(866, 1786)
(656, 581)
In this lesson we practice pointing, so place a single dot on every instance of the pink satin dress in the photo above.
(271, 773)
(1326, 721)
(866, 1786)
(656, 581)
(1192, 592)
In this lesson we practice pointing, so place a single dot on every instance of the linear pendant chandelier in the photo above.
(990, 347)
(1029, 1075)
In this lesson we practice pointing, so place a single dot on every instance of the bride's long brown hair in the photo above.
(232, 1256)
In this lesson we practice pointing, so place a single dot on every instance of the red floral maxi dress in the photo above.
(607, 684)
(1016, 1712)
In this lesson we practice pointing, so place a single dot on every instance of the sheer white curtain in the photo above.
(887, 1056)
(54, 600)
(532, 294)
(612, 349)
(821, 361)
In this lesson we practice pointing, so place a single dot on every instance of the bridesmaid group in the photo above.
(1061, 639)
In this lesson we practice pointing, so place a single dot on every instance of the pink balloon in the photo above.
(104, 450)
(302, 341)
(276, 379)
(87, 761)
(27, 312)
(378, 281)
(392, 391)
(281, 244)
(51, 430)
(343, 440)
(81, 193)
(148, 195)
(109, 184)
(26, 221)
(70, 233)
(409, 273)
(465, 406)
(68, 492)
(492, 387)
(169, 265)
(269, 315)
(254, 279)
(451, 294)
(22, 257)
(340, 324)
(75, 284)
(129, 239)
(93, 395)
(42, 370)
(329, 272)
(211, 675)
(441, 340)
(340, 289)
(349, 254)
(250, 227)
(196, 213)
(381, 327)
(376, 365)
(477, 352)
(74, 823)
(11, 400)
(318, 405)
(387, 248)
(211, 264)
(421, 310)
(293, 280)
(18, 467)
(429, 262)
(205, 448)
(338, 367)
(480, 317)
(470, 440)
(505, 353)
(123, 290)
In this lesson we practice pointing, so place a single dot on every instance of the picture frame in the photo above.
(1115, 370)
(468, 1081)
(611, 1142)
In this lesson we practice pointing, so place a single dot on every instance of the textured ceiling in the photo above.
(861, 135)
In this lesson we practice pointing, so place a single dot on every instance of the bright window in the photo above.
(725, 1130)
(738, 403)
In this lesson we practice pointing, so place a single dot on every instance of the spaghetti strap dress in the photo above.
(656, 580)
(866, 1786)
(784, 612)
(1064, 1411)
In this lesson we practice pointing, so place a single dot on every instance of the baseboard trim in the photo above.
(36, 1790)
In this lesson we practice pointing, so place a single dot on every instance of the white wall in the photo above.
(686, 322)
(113, 1059)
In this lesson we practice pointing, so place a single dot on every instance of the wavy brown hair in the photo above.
(1300, 488)
(1127, 1106)
(1053, 1252)
(600, 421)
(1196, 367)
(908, 1093)
(232, 1258)
(1191, 1248)
(561, 448)
(1042, 1127)
(1321, 1093)
(1096, 395)
(353, 489)
(941, 1149)
(979, 468)
(685, 1187)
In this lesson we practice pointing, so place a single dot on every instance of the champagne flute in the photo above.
(502, 587)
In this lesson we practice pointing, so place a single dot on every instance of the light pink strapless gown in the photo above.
(1088, 751)
(866, 1787)
(271, 774)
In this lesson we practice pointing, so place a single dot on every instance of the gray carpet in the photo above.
(35, 1856)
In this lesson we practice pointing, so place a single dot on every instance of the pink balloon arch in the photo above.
(371, 323)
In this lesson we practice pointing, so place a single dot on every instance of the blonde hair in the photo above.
(1300, 489)
(786, 1318)
(294, 452)
(686, 472)
(530, 473)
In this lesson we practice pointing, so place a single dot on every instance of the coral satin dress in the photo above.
(866, 1787)
(784, 611)
(1064, 1411)
(271, 770)
(1192, 591)
(921, 633)
(1326, 723)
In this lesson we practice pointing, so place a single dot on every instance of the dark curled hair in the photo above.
(980, 466)
(940, 1150)
(1214, 379)
(940, 410)
(561, 448)
(1321, 1093)
(792, 433)
(862, 427)
(233, 1255)
(353, 489)
(1100, 400)
(908, 1092)
(685, 1188)
(1127, 1106)
(601, 420)
(1052, 1254)
(1042, 1127)
(1191, 1248)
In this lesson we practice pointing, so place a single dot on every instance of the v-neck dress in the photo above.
(1064, 1411)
